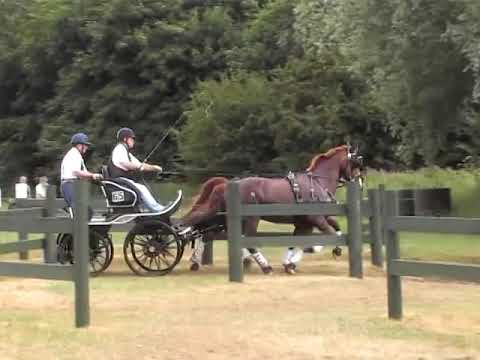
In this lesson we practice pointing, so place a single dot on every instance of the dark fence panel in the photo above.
(41, 220)
(397, 267)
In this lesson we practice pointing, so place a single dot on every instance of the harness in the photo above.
(314, 192)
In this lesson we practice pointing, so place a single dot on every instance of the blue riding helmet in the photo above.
(125, 133)
(80, 138)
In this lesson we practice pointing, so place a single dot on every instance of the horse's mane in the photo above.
(330, 153)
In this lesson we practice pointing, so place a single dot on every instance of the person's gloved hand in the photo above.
(97, 177)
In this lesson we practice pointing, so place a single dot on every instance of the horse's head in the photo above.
(337, 165)
(351, 167)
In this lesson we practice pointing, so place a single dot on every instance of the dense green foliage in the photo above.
(258, 85)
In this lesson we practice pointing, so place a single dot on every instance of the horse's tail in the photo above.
(206, 190)
(209, 207)
(217, 199)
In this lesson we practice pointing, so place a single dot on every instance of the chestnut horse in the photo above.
(321, 179)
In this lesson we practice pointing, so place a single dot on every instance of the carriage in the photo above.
(153, 246)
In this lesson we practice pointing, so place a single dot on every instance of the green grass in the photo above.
(440, 247)
(435, 247)
(464, 185)
(6, 236)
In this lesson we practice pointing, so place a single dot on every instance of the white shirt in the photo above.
(120, 154)
(41, 191)
(21, 191)
(72, 161)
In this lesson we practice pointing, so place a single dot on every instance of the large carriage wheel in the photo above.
(152, 249)
(100, 249)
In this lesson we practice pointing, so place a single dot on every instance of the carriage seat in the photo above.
(104, 171)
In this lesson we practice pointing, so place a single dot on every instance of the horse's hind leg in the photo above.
(251, 229)
(261, 260)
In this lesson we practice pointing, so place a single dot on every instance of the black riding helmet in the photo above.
(125, 133)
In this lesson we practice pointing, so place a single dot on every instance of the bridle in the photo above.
(354, 161)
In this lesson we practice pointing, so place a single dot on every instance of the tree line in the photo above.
(257, 85)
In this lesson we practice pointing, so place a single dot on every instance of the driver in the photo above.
(124, 165)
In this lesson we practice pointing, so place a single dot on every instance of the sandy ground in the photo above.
(320, 313)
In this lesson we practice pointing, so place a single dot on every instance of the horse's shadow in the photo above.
(312, 268)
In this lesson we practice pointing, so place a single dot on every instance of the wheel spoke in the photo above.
(157, 262)
(162, 258)
(140, 242)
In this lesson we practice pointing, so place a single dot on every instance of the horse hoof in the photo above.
(247, 264)
(267, 270)
(309, 250)
(336, 252)
(290, 268)
(194, 267)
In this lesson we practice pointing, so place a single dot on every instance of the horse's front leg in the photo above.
(326, 226)
(250, 229)
(293, 255)
(335, 225)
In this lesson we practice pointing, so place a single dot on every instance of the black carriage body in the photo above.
(119, 195)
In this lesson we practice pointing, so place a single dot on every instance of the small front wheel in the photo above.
(152, 249)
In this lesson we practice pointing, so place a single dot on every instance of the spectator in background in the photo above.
(22, 190)
(41, 188)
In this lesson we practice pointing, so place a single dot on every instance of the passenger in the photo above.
(73, 167)
(124, 165)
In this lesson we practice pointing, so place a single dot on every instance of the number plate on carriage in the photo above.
(118, 196)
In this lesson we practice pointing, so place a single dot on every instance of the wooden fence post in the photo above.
(234, 226)
(376, 238)
(394, 282)
(354, 218)
(50, 249)
(381, 193)
(207, 257)
(81, 253)
(23, 236)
